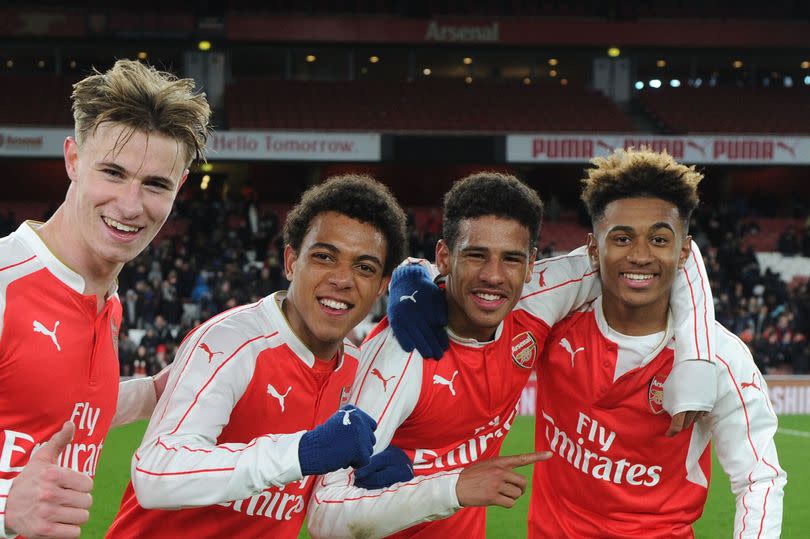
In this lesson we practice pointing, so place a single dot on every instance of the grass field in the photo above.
(793, 443)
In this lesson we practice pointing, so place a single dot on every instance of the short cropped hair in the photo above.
(359, 197)
(491, 193)
(640, 173)
(142, 98)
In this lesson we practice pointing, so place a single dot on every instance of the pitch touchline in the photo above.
(792, 432)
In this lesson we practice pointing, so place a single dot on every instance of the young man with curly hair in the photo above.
(614, 473)
(137, 130)
(250, 412)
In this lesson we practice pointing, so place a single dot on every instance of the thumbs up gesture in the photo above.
(46, 500)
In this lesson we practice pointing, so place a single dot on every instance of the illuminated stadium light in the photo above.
(675, 83)
(639, 85)
(207, 167)
(788, 81)
(737, 64)
(426, 71)
(698, 82)
(552, 62)
(310, 58)
(374, 59)
(41, 64)
(142, 55)
(468, 79)
(527, 80)
(9, 63)
(552, 73)
(661, 63)
(204, 45)
(807, 80)
(806, 64)
(564, 82)
(72, 64)
(204, 183)
(655, 83)
(467, 60)
(613, 52)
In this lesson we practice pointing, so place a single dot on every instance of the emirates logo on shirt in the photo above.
(524, 350)
(655, 394)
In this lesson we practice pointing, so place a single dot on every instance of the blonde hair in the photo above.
(142, 98)
(640, 173)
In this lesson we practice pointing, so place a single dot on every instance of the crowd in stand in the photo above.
(231, 253)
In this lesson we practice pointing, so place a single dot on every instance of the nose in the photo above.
(341, 276)
(130, 200)
(640, 253)
(493, 272)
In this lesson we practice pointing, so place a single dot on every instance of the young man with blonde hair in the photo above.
(137, 130)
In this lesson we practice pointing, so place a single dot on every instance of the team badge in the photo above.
(345, 393)
(524, 350)
(655, 394)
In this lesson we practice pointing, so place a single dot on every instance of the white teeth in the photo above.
(332, 304)
(488, 297)
(120, 226)
(638, 276)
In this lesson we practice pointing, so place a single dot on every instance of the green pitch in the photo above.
(793, 444)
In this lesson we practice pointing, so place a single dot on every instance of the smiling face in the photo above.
(639, 245)
(334, 280)
(119, 197)
(486, 271)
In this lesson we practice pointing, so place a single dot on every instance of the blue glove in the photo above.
(386, 468)
(345, 439)
(417, 311)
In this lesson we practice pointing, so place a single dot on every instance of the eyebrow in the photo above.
(630, 229)
(474, 248)
(330, 247)
(119, 168)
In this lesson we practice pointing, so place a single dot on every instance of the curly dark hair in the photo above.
(359, 197)
(491, 193)
(640, 173)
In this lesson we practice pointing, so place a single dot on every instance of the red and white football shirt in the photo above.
(614, 473)
(58, 359)
(223, 441)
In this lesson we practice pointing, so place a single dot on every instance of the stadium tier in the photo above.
(419, 106)
(729, 110)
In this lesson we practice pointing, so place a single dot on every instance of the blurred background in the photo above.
(419, 94)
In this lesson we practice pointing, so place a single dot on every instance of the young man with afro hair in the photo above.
(614, 473)
(250, 412)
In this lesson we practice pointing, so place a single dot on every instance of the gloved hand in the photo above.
(345, 439)
(385, 468)
(417, 311)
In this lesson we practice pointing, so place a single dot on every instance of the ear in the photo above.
(71, 151)
(443, 256)
(593, 250)
(686, 250)
(383, 286)
(290, 257)
(530, 267)
(183, 179)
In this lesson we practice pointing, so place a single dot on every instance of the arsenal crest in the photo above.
(345, 393)
(114, 334)
(524, 350)
(655, 394)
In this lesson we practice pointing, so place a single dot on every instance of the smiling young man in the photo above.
(250, 412)
(614, 473)
(136, 132)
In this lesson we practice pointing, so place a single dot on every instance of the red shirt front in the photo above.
(58, 358)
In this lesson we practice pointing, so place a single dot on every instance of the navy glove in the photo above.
(386, 468)
(417, 311)
(345, 439)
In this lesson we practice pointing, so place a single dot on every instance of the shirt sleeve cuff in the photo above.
(691, 387)
(5, 487)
